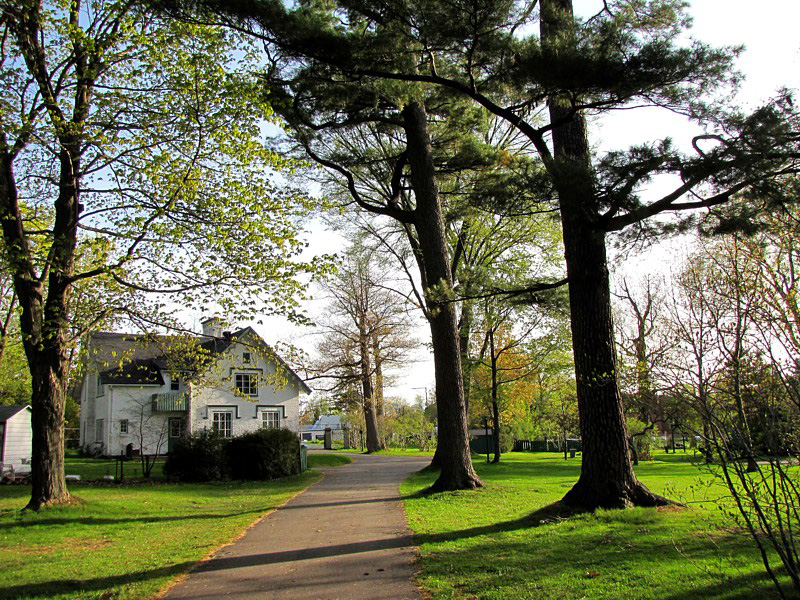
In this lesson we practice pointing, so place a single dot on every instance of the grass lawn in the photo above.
(394, 451)
(127, 541)
(91, 469)
(405, 452)
(484, 544)
(327, 460)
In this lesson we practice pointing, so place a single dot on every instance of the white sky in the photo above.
(768, 29)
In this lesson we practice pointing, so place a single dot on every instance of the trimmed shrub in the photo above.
(264, 454)
(198, 457)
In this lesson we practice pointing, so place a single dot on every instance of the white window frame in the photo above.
(123, 426)
(99, 426)
(223, 426)
(98, 386)
(270, 419)
(181, 426)
(246, 383)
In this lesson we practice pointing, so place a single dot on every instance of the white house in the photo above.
(316, 432)
(15, 437)
(141, 393)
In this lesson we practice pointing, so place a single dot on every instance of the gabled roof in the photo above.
(6, 412)
(332, 421)
(123, 358)
(272, 353)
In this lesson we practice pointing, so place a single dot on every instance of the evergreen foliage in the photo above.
(198, 457)
(628, 55)
(263, 454)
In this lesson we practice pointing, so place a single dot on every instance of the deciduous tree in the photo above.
(125, 132)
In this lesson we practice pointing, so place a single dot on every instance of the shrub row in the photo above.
(207, 456)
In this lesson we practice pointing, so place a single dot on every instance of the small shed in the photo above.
(15, 437)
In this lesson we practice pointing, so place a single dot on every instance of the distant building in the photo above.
(15, 438)
(137, 397)
(316, 432)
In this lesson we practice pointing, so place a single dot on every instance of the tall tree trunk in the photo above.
(378, 391)
(495, 407)
(607, 479)
(453, 447)
(373, 443)
(464, 332)
(43, 322)
(48, 399)
(378, 359)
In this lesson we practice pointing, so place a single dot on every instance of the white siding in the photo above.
(17, 440)
(214, 389)
(216, 393)
(147, 431)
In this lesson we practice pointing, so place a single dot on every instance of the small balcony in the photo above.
(171, 402)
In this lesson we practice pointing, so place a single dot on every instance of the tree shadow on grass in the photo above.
(547, 515)
(83, 587)
(617, 559)
(94, 521)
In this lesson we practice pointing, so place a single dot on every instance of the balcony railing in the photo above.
(171, 402)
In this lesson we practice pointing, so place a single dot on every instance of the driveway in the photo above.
(344, 537)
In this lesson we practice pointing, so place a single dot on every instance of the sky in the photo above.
(768, 30)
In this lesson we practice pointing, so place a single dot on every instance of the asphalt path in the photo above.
(345, 537)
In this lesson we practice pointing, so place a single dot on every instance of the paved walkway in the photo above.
(344, 538)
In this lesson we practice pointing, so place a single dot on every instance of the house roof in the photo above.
(332, 421)
(123, 358)
(6, 412)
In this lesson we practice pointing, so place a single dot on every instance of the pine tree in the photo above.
(628, 55)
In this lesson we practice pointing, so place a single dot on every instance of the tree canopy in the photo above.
(131, 153)
(630, 54)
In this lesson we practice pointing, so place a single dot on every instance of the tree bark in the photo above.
(373, 443)
(43, 323)
(453, 445)
(376, 353)
(607, 479)
(464, 332)
(495, 407)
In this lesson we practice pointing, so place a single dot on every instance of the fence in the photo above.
(546, 445)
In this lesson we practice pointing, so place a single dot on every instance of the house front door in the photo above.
(175, 431)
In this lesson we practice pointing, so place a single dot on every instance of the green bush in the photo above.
(197, 457)
(263, 454)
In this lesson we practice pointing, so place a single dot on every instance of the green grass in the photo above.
(484, 544)
(327, 460)
(125, 541)
(405, 452)
(92, 469)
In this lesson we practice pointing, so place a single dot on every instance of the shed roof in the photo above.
(6, 412)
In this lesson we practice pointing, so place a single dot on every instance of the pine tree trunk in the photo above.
(496, 431)
(464, 332)
(453, 452)
(495, 407)
(607, 479)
